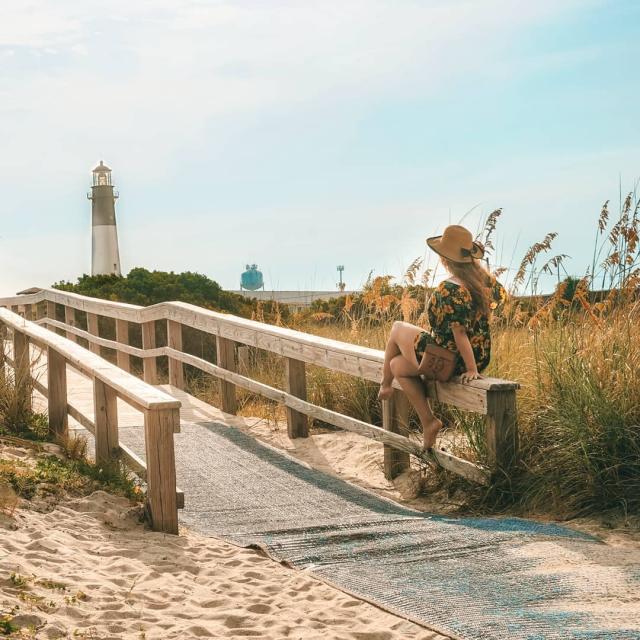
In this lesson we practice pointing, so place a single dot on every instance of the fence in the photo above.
(493, 398)
(160, 411)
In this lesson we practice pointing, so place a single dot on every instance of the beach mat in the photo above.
(471, 578)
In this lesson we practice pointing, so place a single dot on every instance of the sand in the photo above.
(87, 568)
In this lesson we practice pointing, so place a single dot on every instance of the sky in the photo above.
(304, 134)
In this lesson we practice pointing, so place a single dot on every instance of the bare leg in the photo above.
(406, 373)
(401, 341)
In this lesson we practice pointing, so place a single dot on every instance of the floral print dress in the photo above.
(451, 305)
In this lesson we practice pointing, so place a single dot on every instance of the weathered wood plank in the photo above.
(105, 403)
(57, 395)
(174, 340)
(226, 360)
(502, 428)
(70, 320)
(296, 384)
(161, 471)
(129, 388)
(395, 419)
(122, 338)
(93, 329)
(105, 342)
(22, 368)
(150, 373)
(446, 460)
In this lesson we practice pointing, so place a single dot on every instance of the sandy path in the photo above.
(117, 580)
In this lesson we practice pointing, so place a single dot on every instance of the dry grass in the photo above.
(576, 354)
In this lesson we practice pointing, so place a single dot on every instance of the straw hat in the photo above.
(456, 244)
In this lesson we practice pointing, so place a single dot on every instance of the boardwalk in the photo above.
(466, 578)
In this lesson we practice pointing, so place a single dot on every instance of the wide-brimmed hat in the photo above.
(456, 244)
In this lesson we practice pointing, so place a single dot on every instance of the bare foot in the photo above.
(386, 391)
(430, 431)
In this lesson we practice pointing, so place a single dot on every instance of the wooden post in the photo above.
(296, 384)
(161, 469)
(150, 370)
(28, 312)
(3, 346)
(225, 349)
(174, 340)
(57, 394)
(502, 428)
(70, 319)
(92, 328)
(122, 336)
(105, 403)
(395, 418)
(51, 310)
(22, 369)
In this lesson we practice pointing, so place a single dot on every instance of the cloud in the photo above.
(151, 76)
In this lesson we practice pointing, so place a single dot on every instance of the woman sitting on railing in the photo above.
(458, 341)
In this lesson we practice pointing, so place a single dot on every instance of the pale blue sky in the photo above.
(304, 134)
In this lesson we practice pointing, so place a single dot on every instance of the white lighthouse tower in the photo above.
(105, 256)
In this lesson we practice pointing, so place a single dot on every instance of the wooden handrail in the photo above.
(160, 410)
(491, 397)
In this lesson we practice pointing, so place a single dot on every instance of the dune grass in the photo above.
(575, 352)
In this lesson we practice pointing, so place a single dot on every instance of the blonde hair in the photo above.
(476, 280)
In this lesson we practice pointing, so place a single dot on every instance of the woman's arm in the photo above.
(464, 347)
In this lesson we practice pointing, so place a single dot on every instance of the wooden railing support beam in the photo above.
(502, 429)
(150, 369)
(122, 336)
(105, 402)
(161, 470)
(94, 330)
(70, 319)
(296, 384)
(57, 395)
(174, 340)
(395, 418)
(225, 349)
(22, 369)
(3, 346)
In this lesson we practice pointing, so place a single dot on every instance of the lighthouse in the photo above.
(105, 257)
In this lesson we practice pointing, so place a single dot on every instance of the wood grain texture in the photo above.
(106, 422)
(225, 350)
(22, 368)
(70, 320)
(395, 419)
(296, 384)
(463, 467)
(93, 329)
(122, 338)
(161, 471)
(174, 340)
(132, 390)
(150, 369)
(57, 395)
(502, 429)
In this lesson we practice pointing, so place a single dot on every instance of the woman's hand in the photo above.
(468, 376)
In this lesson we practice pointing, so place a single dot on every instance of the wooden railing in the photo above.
(493, 398)
(160, 411)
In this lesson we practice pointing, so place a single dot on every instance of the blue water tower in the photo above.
(252, 279)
